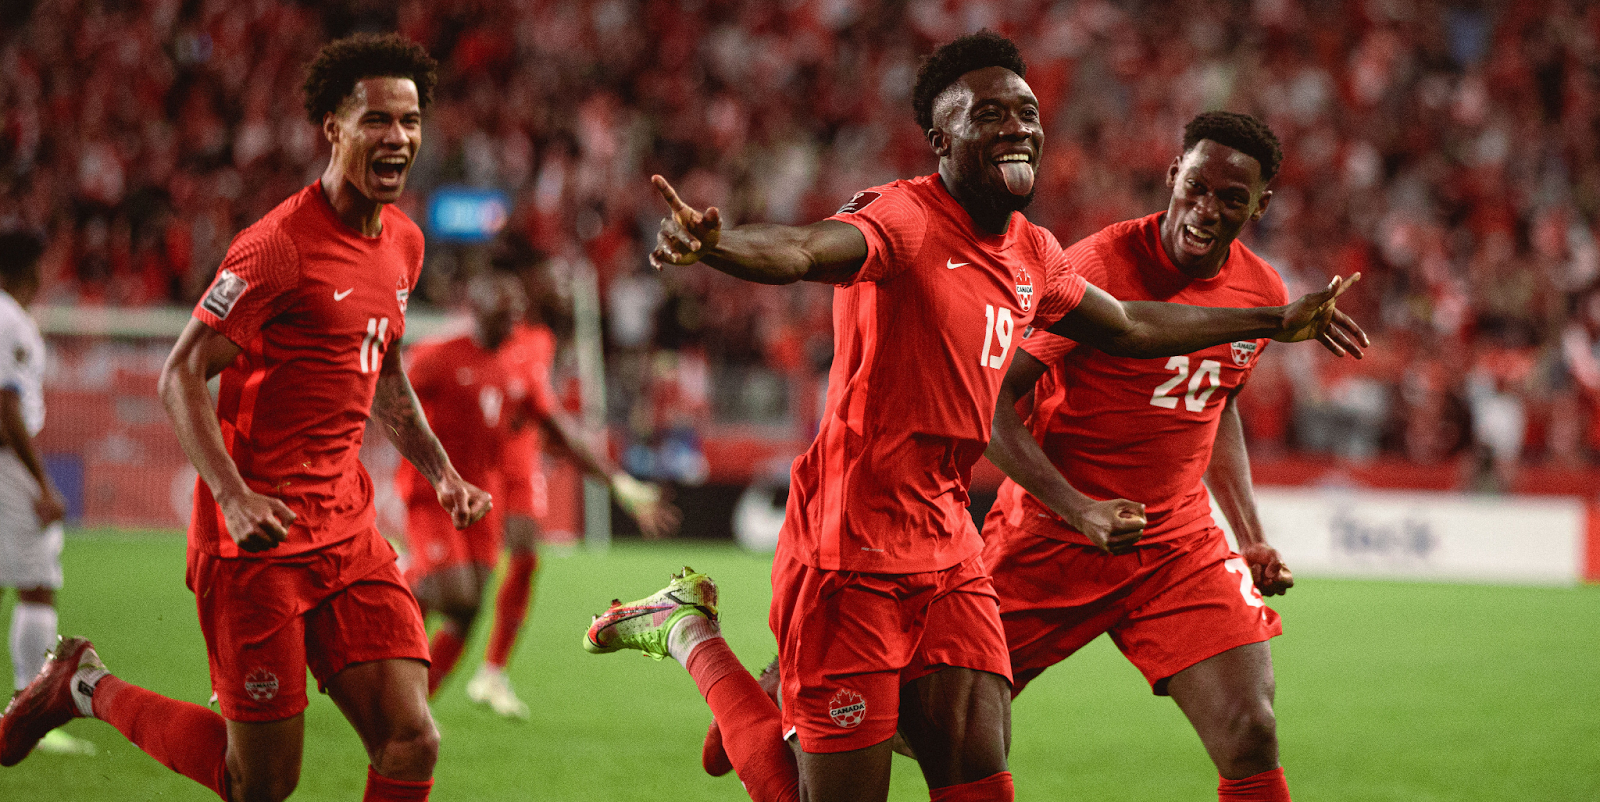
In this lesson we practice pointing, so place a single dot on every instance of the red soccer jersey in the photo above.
(531, 354)
(313, 305)
(472, 397)
(923, 334)
(1140, 429)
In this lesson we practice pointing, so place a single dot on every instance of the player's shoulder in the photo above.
(1255, 274)
(404, 227)
(277, 230)
(903, 196)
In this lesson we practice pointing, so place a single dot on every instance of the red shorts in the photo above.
(266, 621)
(433, 541)
(848, 641)
(1167, 605)
(523, 484)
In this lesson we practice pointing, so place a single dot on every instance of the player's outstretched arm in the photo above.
(1114, 525)
(1229, 480)
(255, 522)
(399, 414)
(1150, 328)
(826, 251)
(644, 501)
(49, 506)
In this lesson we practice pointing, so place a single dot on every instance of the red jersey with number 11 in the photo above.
(923, 334)
(313, 305)
(1140, 429)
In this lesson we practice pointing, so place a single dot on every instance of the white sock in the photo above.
(689, 632)
(33, 633)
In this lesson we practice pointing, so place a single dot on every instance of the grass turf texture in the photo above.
(1387, 691)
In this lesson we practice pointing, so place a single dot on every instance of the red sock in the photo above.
(511, 607)
(713, 757)
(1268, 786)
(184, 737)
(752, 727)
(383, 789)
(443, 654)
(993, 788)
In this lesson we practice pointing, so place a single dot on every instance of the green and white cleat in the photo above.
(646, 623)
(491, 686)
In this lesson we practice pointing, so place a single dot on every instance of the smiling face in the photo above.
(988, 137)
(1215, 191)
(375, 136)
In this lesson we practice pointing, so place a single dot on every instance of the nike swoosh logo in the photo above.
(340, 296)
(951, 264)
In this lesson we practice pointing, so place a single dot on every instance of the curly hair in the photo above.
(341, 63)
(947, 64)
(1241, 132)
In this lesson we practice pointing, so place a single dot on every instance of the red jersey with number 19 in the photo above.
(1140, 429)
(923, 334)
(313, 305)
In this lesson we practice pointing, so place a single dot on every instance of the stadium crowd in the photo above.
(1444, 150)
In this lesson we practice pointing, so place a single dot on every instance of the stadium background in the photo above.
(1445, 150)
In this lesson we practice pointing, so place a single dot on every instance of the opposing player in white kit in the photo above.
(30, 508)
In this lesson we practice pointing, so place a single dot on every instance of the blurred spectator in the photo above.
(1444, 149)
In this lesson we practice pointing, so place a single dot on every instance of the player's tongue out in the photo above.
(1018, 176)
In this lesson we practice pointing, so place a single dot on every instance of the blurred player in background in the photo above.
(884, 613)
(483, 391)
(1073, 557)
(289, 572)
(31, 535)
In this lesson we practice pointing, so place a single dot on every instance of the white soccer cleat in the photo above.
(490, 686)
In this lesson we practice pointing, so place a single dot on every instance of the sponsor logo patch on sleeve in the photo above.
(861, 201)
(225, 292)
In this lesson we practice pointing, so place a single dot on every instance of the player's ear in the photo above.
(330, 127)
(939, 141)
(1172, 172)
(1261, 205)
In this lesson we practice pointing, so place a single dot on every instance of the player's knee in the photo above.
(1252, 741)
(264, 786)
(409, 753)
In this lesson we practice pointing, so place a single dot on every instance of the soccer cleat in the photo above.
(47, 702)
(646, 623)
(58, 742)
(491, 686)
(713, 756)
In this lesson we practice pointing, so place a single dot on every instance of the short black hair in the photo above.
(19, 256)
(1241, 132)
(332, 76)
(947, 64)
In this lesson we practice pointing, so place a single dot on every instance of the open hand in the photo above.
(686, 235)
(49, 506)
(647, 503)
(1315, 316)
(1271, 576)
(256, 522)
(1114, 526)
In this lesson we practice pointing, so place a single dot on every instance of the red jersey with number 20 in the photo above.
(923, 334)
(313, 305)
(1140, 429)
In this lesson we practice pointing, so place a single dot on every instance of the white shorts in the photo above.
(30, 557)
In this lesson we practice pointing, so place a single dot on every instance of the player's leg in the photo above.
(367, 648)
(1198, 631)
(490, 685)
(456, 593)
(680, 622)
(1228, 698)
(33, 633)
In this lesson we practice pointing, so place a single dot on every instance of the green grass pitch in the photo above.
(1387, 691)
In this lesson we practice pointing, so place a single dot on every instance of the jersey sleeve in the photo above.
(1064, 286)
(12, 354)
(254, 284)
(1046, 347)
(894, 224)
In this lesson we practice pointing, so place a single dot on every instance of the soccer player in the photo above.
(1072, 557)
(481, 390)
(31, 508)
(289, 572)
(883, 611)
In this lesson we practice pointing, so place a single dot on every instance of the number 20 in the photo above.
(999, 327)
(1195, 399)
